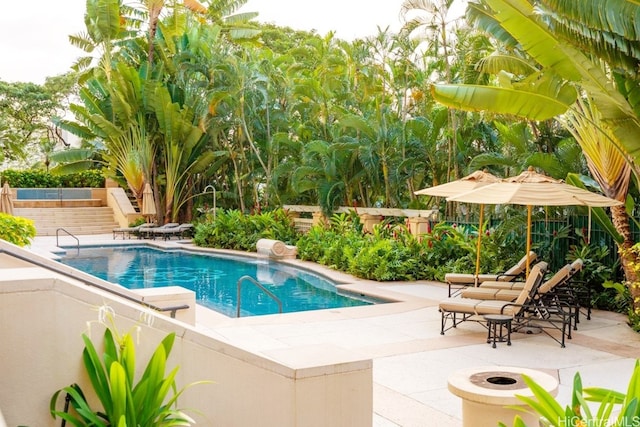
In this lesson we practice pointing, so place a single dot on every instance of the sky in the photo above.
(34, 35)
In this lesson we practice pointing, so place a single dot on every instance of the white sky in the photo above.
(34, 43)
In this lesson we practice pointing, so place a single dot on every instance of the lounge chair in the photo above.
(129, 231)
(168, 232)
(527, 310)
(509, 291)
(458, 281)
(151, 232)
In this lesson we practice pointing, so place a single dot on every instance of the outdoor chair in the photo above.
(459, 309)
(150, 232)
(458, 281)
(527, 311)
(510, 291)
(167, 233)
(129, 231)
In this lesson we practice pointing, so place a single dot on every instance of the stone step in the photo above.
(85, 220)
(63, 211)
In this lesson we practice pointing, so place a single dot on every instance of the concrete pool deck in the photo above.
(411, 360)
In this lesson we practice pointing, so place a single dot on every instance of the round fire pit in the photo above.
(486, 391)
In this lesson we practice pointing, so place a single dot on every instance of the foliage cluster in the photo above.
(26, 113)
(35, 178)
(391, 252)
(124, 402)
(16, 230)
(616, 408)
(235, 230)
(596, 272)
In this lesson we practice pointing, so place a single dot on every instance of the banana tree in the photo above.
(561, 67)
(184, 150)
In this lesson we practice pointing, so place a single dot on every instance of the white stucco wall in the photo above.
(42, 317)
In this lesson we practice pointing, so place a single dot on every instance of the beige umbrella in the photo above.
(6, 202)
(463, 185)
(148, 203)
(531, 188)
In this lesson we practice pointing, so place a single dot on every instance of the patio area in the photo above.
(411, 360)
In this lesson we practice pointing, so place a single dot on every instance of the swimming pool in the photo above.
(213, 278)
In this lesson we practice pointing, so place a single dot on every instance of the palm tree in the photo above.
(429, 20)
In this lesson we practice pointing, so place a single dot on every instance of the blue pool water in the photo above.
(213, 278)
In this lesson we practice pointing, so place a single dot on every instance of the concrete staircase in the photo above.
(76, 220)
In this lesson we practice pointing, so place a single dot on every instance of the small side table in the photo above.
(499, 327)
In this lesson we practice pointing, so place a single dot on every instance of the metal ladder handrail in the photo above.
(261, 287)
(70, 234)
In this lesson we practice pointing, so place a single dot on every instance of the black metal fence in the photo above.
(557, 236)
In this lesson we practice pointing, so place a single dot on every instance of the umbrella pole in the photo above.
(529, 209)
(589, 232)
(479, 241)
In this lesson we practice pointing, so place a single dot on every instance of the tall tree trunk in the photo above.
(628, 258)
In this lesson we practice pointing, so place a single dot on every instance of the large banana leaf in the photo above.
(499, 100)
(519, 19)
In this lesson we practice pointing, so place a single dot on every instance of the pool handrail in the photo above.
(70, 234)
(261, 287)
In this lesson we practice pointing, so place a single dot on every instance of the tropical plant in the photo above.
(123, 400)
(562, 61)
(17, 230)
(616, 408)
(233, 229)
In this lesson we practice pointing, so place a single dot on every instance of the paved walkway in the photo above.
(412, 361)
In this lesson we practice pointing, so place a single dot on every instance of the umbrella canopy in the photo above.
(6, 202)
(148, 203)
(533, 189)
(468, 183)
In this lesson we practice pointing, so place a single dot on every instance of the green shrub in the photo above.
(43, 179)
(384, 260)
(16, 230)
(31, 179)
(234, 230)
(91, 178)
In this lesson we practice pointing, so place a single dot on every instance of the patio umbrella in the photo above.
(6, 203)
(468, 183)
(148, 203)
(531, 188)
